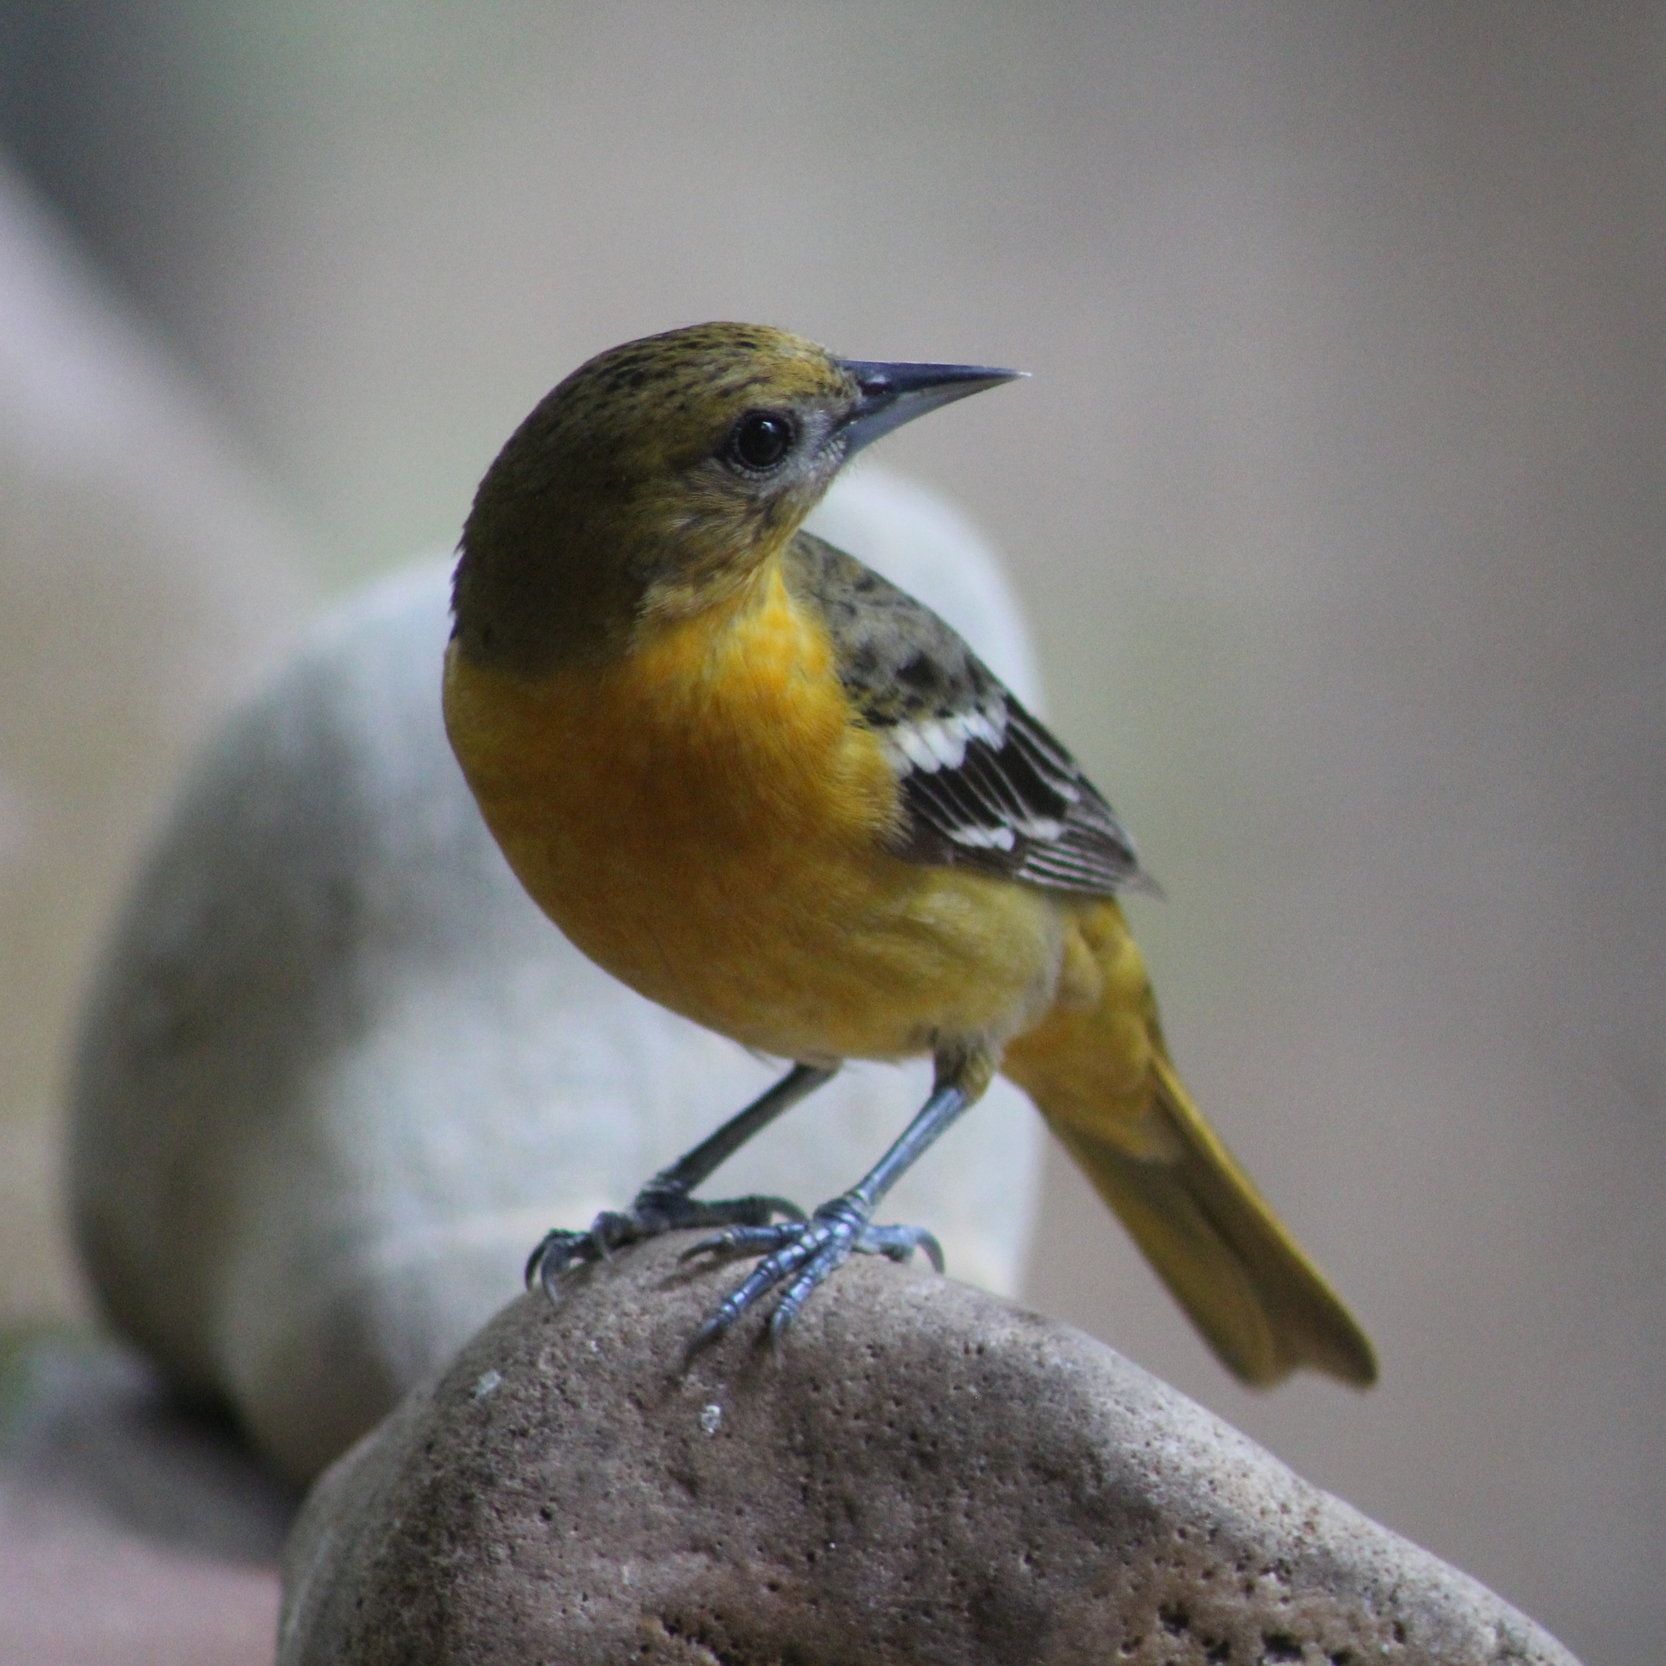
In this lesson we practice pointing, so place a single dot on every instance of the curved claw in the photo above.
(553, 1254)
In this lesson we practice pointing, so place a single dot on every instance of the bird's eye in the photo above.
(761, 439)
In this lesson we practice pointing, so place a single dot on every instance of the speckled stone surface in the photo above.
(921, 1473)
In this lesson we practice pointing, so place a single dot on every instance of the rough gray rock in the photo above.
(338, 1074)
(921, 1473)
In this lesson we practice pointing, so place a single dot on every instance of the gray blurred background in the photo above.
(1336, 498)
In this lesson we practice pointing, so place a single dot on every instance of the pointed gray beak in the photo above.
(893, 394)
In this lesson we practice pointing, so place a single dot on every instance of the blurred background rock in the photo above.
(1337, 500)
(143, 583)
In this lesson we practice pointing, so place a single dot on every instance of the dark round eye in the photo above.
(761, 439)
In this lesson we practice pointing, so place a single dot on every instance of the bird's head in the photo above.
(660, 476)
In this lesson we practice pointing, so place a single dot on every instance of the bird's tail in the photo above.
(1103, 1081)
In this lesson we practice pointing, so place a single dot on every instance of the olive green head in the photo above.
(659, 476)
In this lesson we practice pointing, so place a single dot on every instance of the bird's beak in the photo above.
(892, 394)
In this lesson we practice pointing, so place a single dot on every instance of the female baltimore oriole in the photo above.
(768, 789)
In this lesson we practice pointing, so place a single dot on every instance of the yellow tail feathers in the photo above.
(1257, 1299)
(1103, 1082)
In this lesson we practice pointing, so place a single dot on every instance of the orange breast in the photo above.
(704, 819)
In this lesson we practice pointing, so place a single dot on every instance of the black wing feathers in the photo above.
(983, 784)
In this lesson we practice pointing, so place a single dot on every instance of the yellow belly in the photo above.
(704, 822)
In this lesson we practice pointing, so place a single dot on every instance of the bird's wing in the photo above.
(983, 784)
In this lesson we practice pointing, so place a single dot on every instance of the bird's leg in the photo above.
(664, 1203)
(800, 1254)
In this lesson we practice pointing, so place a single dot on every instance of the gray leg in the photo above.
(800, 1254)
(664, 1203)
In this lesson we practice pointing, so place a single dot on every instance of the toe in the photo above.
(744, 1240)
(554, 1253)
(900, 1242)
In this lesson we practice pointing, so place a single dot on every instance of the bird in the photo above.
(766, 788)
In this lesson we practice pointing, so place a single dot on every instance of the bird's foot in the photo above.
(659, 1207)
(801, 1254)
